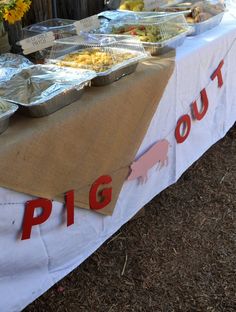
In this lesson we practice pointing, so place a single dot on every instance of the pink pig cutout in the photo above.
(157, 154)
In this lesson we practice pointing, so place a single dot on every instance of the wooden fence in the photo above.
(78, 9)
(70, 9)
(41, 10)
(45, 9)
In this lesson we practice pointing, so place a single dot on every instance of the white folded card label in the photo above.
(37, 43)
(150, 4)
(87, 24)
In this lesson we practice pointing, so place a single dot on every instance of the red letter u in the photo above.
(205, 104)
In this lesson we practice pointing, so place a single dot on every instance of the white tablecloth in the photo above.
(28, 268)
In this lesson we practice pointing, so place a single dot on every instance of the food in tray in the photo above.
(202, 11)
(150, 33)
(99, 60)
(172, 10)
(137, 5)
(132, 5)
(196, 13)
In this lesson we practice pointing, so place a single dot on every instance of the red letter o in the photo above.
(184, 121)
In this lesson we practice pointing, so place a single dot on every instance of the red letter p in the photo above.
(30, 220)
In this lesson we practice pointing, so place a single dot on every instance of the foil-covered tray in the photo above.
(52, 105)
(10, 64)
(41, 90)
(6, 111)
(199, 28)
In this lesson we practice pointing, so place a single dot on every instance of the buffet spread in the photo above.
(103, 114)
(65, 58)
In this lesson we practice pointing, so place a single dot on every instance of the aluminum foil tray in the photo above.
(10, 64)
(41, 90)
(50, 106)
(6, 111)
(165, 46)
(117, 71)
(102, 80)
(202, 27)
(172, 30)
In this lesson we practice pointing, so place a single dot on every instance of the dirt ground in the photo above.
(178, 257)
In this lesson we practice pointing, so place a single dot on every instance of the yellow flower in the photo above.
(10, 16)
(21, 7)
(14, 10)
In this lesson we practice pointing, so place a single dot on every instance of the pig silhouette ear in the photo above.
(132, 166)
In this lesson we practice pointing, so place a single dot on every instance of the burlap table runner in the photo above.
(99, 134)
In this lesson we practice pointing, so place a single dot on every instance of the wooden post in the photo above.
(40, 10)
(78, 9)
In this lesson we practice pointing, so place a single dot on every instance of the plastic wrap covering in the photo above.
(158, 34)
(110, 56)
(61, 28)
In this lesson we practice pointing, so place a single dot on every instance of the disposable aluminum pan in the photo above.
(199, 28)
(119, 70)
(10, 64)
(52, 105)
(41, 90)
(102, 80)
(6, 111)
(122, 69)
(162, 47)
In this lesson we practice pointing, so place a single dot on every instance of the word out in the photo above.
(184, 124)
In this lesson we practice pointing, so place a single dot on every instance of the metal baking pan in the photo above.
(42, 90)
(105, 79)
(160, 48)
(199, 28)
(50, 106)
(118, 70)
(9, 110)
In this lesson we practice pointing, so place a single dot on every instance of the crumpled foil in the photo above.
(39, 83)
(6, 109)
(10, 64)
